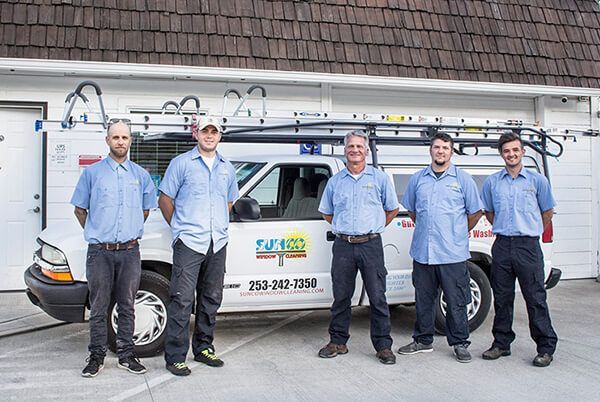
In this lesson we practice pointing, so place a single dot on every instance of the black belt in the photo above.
(116, 246)
(357, 239)
(518, 237)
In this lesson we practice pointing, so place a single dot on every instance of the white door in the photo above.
(20, 194)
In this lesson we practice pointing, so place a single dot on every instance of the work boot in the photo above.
(386, 356)
(415, 347)
(494, 353)
(542, 360)
(332, 350)
(462, 354)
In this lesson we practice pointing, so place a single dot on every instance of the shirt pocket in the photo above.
(198, 189)
(223, 185)
(452, 199)
(105, 196)
(526, 201)
(501, 202)
(132, 195)
(340, 201)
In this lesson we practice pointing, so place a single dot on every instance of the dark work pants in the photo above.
(454, 280)
(347, 260)
(109, 272)
(193, 273)
(520, 257)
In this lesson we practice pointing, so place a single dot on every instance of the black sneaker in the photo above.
(415, 347)
(132, 364)
(208, 357)
(179, 369)
(462, 354)
(95, 363)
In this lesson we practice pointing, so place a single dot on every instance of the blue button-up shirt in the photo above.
(517, 203)
(358, 205)
(441, 206)
(115, 196)
(201, 197)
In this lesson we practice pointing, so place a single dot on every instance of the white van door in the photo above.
(20, 198)
(282, 261)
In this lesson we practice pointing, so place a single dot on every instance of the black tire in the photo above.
(154, 287)
(485, 290)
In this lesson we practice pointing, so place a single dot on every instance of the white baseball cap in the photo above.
(204, 121)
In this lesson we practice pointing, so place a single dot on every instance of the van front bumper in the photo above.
(63, 301)
(553, 278)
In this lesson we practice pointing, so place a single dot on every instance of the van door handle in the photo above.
(330, 236)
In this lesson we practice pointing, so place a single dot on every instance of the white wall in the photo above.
(575, 177)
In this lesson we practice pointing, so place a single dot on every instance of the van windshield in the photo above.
(245, 170)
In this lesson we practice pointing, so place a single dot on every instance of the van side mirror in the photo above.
(246, 209)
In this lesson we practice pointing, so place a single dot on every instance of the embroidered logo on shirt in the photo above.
(370, 185)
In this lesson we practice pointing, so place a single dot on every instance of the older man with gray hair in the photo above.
(359, 202)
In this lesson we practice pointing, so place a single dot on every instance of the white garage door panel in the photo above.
(572, 194)
(574, 207)
(571, 258)
(571, 221)
(573, 245)
(573, 233)
(569, 181)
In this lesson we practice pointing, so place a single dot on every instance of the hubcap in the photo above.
(473, 307)
(150, 318)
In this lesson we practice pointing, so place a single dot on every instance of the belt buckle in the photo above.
(352, 238)
(117, 246)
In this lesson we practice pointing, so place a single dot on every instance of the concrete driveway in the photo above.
(273, 357)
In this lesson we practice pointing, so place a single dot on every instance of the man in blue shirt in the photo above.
(443, 202)
(196, 196)
(519, 204)
(112, 200)
(359, 202)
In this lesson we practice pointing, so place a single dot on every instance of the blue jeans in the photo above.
(200, 274)
(454, 280)
(520, 258)
(367, 258)
(109, 272)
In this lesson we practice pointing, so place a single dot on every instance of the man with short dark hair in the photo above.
(359, 202)
(112, 200)
(196, 196)
(443, 202)
(519, 204)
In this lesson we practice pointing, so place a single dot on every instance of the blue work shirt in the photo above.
(200, 197)
(358, 205)
(115, 196)
(441, 206)
(517, 203)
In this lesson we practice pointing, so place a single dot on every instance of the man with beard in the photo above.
(112, 200)
(196, 196)
(519, 204)
(359, 202)
(443, 202)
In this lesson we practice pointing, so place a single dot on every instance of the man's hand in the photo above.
(490, 217)
(328, 218)
(81, 215)
(165, 203)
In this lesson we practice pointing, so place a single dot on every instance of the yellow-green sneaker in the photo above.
(208, 357)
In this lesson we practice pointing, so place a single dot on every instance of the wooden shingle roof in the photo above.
(544, 42)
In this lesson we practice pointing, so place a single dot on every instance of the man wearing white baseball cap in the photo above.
(196, 196)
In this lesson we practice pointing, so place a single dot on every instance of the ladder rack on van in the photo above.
(298, 126)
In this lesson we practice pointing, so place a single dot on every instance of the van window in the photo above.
(291, 192)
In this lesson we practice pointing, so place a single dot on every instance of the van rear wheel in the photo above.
(478, 309)
(150, 316)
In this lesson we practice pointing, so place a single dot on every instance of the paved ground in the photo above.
(273, 356)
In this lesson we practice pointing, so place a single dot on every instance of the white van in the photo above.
(279, 252)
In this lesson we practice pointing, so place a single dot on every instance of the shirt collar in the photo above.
(451, 171)
(523, 172)
(368, 170)
(196, 154)
(114, 165)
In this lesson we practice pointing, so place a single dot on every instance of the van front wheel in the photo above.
(481, 300)
(150, 316)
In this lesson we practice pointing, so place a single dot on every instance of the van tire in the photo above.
(154, 288)
(480, 290)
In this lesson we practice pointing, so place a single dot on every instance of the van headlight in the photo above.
(52, 255)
